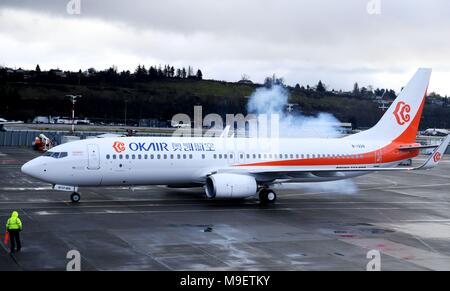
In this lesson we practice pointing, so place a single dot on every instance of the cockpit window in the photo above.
(56, 155)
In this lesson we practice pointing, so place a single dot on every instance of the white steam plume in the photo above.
(340, 187)
(274, 100)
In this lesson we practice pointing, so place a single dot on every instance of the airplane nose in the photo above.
(31, 168)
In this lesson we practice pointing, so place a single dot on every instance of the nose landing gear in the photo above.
(267, 196)
(75, 197)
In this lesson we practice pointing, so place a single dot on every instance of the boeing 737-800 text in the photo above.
(241, 167)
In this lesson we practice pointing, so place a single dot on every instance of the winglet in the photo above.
(436, 156)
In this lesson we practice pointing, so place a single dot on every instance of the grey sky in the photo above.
(338, 42)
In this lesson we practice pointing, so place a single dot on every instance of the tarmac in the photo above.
(405, 216)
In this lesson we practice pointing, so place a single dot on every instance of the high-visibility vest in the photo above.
(14, 222)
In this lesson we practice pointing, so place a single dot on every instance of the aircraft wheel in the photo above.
(75, 197)
(267, 196)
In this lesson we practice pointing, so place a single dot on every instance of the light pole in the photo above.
(126, 109)
(74, 99)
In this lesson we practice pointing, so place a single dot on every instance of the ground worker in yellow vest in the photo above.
(14, 226)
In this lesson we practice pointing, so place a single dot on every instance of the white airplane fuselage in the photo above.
(185, 161)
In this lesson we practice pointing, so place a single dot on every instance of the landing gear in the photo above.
(267, 196)
(75, 197)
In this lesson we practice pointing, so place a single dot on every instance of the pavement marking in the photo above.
(428, 230)
(26, 188)
(45, 212)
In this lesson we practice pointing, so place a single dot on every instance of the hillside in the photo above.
(160, 99)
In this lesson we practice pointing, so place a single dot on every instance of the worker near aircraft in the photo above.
(14, 227)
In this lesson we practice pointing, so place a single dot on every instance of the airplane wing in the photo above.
(431, 162)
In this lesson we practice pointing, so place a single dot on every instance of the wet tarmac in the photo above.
(405, 216)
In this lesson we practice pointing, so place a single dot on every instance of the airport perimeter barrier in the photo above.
(26, 137)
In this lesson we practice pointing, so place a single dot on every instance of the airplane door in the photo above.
(93, 157)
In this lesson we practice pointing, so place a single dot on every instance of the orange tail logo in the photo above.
(119, 146)
(437, 157)
(401, 112)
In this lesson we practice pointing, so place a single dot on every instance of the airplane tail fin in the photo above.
(401, 121)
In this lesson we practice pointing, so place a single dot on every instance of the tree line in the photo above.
(92, 76)
(158, 92)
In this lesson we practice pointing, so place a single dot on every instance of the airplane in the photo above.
(230, 168)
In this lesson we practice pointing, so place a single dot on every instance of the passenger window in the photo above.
(127, 156)
(254, 156)
(120, 157)
(133, 157)
(145, 156)
(152, 157)
(231, 156)
(171, 157)
(241, 156)
(107, 157)
(203, 156)
(292, 156)
(190, 156)
(248, 156)
(215, 156)
(114, 157)
(179, 156)
(165, 157)
(139, 157)
(220, 156)
(259, 156)
(225, 156)
(158, 157)
(184, 157)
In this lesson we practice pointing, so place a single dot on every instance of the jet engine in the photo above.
(229, 186)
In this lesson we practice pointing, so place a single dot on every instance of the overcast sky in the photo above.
(339, 42)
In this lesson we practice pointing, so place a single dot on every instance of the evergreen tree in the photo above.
(199, 75)
(356, 89)
(320, 87)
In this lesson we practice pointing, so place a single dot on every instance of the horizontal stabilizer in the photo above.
(423, 147)
(436, 156)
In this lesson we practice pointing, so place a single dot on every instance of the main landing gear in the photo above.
(267, 196)
(75, 197)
